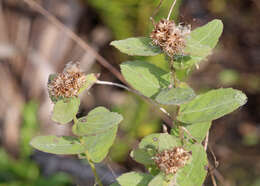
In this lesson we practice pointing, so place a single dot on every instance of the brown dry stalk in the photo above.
(35, 6)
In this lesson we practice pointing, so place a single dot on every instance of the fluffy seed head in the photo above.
(170, 161)
(68, 83)
(170, 37)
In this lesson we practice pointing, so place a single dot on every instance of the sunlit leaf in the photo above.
(137, 46)
(152, 144)
(98, 120)
(64, 110)
(98, 145)
(211, 105)
(198, 130)
(195, 171)
(200, 44)
(159, 180)
(133, 179)
(145, 77)
(99, 129)
(175, 96)
(58, 145)
(142, 156)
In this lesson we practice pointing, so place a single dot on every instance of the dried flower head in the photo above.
(170, 37)
(170, 161)
(68, 83)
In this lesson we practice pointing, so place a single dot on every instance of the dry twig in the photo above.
(75, 38)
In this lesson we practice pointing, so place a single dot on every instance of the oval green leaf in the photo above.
(159, 180)
(133, 179)
(99, 120)
(64, 110)
(175, 96)
(194, 172)
(142, 156)
(151, 144)
(198, 130)
(200, 44)
(211, 105)
(145, 77)
(137, 46)
(98, 145)
(58, 145)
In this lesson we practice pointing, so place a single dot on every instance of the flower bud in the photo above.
(68, 83)
(170, 161)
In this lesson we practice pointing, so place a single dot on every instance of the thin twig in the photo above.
(169, 123)
(206, 141)
(117, 85)
(220, 177)
(88, 48)
(170, 12)
(213, 178)
(189, 134)
(92, 165)
(217, 174)
(35, 6)
(214, 156)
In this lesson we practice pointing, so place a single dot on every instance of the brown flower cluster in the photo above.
(170, 37)
(68, 83)
(170, 161)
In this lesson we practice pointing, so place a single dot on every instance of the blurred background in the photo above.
(31, 47)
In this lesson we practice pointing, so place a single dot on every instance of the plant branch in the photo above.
(168, 121)
(206, 141)
(171, 9)
(117, 85)
(35, 6)
(189, 134)
(92, 165)
(75, 120)
(83, 44)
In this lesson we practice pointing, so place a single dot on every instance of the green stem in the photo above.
(92, 165)
(173, 74)
(174, 80)
(75, 120)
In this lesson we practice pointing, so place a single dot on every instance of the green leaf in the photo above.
(145, 77)
(167, 141)
(138, 46)
(58, 145)
(99, 129)
(159, 180)
(142, 156)
(151, 144)
(98, 145)
(133, 179)
(200, 44)
(194, 172)
(99, 120)
(198, 130)
(90, 81)
(175, 96)
(159, 141)
(211, 105)
(64, 110)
